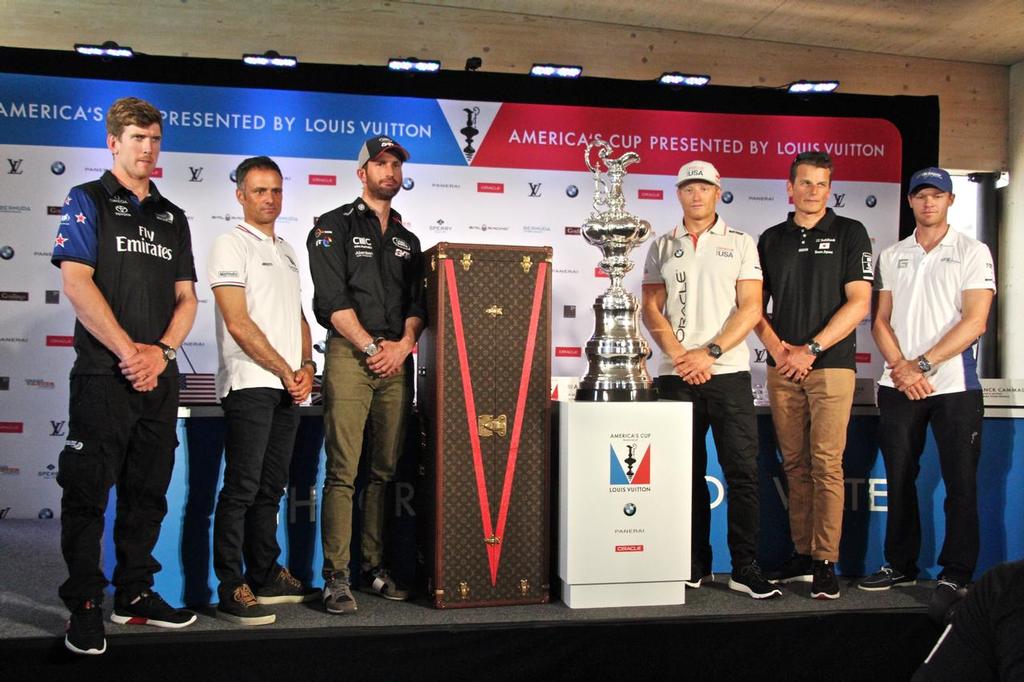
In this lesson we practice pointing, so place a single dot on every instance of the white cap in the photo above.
(699, 170)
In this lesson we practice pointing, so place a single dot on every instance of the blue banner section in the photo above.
(69, 112)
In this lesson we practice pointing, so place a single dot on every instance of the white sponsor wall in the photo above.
(443, 201)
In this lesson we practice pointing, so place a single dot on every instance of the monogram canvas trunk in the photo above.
(483, 393)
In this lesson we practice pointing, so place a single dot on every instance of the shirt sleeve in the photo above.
(186, 261)
(417, 295)
(882, 271)
(859, 266)
(77, 234)
(750, 263)
(226, 264)
(652, 266)
(327, 266)
(979, 272)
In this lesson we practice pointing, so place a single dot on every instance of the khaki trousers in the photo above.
(810, 428)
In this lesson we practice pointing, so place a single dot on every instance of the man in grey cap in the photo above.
(367, 273)
(935, 289)
(701, 298)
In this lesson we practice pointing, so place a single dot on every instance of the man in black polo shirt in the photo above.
(817, 275)
(368, 292)
(125, 257)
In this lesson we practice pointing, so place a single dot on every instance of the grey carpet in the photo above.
(33, 568)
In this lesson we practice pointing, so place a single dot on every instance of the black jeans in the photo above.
(116, 435)
(956, 420)
(259, 440)
(726, 405)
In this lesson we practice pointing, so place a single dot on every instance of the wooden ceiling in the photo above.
(980, 31)
(983, 31)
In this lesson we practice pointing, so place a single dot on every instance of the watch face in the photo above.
(170, 354)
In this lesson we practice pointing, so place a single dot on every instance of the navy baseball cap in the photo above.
(375, 146)
(931, 177)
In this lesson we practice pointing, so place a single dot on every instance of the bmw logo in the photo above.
(234, 176)
(46, 513)
(629, 509)
(571, 191)
(727, 197)
(6, 252)
(408, 184)
(57, 168)
(679, 253)
(871, 201)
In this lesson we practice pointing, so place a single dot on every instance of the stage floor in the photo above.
(32, 570)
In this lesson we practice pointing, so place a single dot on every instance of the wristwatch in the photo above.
(169, 352)
(311, 362)
(924, 365)
(714, 350)
(373, 347)
(814, 348)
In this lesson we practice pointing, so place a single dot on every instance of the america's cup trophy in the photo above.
(616, 353)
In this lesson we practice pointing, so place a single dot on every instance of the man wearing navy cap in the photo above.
(935, 289)
(367, 273)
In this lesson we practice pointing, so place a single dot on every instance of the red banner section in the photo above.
(741, 146)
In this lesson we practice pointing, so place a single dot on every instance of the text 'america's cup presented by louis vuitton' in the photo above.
(617, 352)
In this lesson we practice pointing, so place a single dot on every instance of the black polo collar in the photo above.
(825, 224)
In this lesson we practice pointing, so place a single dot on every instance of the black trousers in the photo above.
(726, 405)
(116, 436)
(261, 424)
(956, 420)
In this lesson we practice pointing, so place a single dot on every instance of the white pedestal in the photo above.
(624, 527)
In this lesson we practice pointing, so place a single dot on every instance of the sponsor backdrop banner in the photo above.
(482, 172)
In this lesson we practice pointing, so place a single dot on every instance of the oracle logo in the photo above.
(323, 180)
(650, 194)
(11, 427)
(629, 548)
(61, 341)
(863, 358)
(568, 351)
(598, 272)
(157, 173)
(491, 187)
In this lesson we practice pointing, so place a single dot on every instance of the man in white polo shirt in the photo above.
(701, 298)
(935, 290)
(265, 370)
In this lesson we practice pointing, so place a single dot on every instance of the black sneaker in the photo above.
(797, 569)
(379, 581)
(337, 595)
(84, 631)
(695, 583)
(149, 608)
(824, 584)
(285, 589)
(749, 581)
(243, 608)
(885, 578)
(945, 598)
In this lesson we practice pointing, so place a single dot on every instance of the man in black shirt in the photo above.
(368, 293)
(817, 274)
(125, 257)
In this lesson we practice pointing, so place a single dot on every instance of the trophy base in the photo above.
(616, 395)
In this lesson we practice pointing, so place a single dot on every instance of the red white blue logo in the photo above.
(629, 470)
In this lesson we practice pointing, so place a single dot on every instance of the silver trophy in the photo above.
(616, 353)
